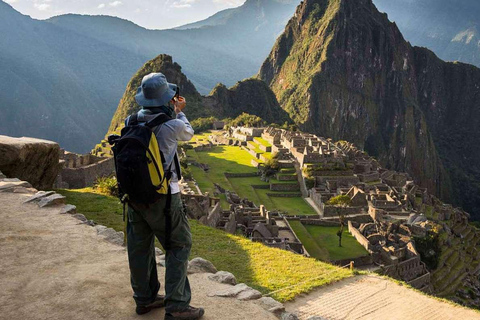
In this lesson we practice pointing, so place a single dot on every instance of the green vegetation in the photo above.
(323, 242)
(246, 120)
(263, 268)
(203, 124)
(107, 186)
(340, 200)
(262, 142)
(221, 159)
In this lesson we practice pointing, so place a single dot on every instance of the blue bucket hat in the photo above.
(155, 91)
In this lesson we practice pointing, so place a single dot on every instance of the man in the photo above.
(172, 229)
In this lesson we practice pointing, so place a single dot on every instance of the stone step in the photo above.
(453, 286)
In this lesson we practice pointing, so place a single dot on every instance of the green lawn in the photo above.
(263, 268)
(326, 237)
(262, 141)
(232, 159)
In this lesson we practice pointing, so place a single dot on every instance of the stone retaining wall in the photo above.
(260, 186)
(359, 237)
(332, 211)
(241, 175)
(284, 187)
(284, 195)
(77, 178)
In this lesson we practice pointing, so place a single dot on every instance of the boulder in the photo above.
(32, 160)
(52, 200)
(80, 217)
(199, 265)
(70, 209)
(231, 292)
(39, 195)
(223, 277)
(8, 185)
(249, 294)
(289, 316)
(271, 305)
(110, 235)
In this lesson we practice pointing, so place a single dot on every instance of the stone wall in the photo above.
(332, 211)
(359, 237)
(29, 159)
(285, 195)
(284, 187)
(214, 216)
(241, 175)
(77, 178)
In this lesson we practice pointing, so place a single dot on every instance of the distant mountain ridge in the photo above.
(450, 28)
(63, 78)
(356, 78)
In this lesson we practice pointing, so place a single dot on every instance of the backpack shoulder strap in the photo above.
(132, 120)
(158, 120)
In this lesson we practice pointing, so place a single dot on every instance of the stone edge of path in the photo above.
(241, 291)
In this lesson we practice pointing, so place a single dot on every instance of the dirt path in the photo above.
(373, 297)
(53, 267)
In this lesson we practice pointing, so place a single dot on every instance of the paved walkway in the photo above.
(53, 267)
(372, 297)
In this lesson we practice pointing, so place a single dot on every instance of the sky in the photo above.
(151, 14)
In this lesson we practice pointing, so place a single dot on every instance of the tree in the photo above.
(341, 200)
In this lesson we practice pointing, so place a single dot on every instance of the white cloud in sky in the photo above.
(11, 1)
(115, 3)
(182, 4)
(229, 2)
(101, 6)
(41, 6)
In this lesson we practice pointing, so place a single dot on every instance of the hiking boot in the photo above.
(190, 313)
(158, 303)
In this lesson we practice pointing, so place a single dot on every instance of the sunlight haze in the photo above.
(151, 14)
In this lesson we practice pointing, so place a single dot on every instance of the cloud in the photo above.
(101, 6)
(229, 2)
(182, 4)
(115, 3)
(41, 6)
(11, 1)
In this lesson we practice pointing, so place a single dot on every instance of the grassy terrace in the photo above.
(266, 269)
(322, 242)
(262, 141)
(234, 159)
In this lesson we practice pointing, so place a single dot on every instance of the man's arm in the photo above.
(184, 130)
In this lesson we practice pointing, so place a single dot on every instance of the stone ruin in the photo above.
(81, 171)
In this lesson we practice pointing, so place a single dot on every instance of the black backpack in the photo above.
(138, 162)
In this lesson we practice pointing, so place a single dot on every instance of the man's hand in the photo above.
(180, 104)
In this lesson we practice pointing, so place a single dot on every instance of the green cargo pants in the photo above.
(144, 223)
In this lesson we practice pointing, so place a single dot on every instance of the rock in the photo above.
(289, 316)
(8, 186)
(271, 305)
(52, 200)
(231, 292)
(29, 159)
(39, 195)
(80, 217)
(24, 190)
(161, 263)
(199, 265)
(91, 223)
(223, 277)
(161, 257)
(249, 294)
(2, 176)
(100, 228)
(71, 209)
(111, 235)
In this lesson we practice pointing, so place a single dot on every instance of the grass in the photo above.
(322, 242)
(265, 269)
(233, 159)
(262, 141)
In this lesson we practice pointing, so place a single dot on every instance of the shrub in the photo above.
(107, 186)
(247, 120)
(341, 200)
(203, 124)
